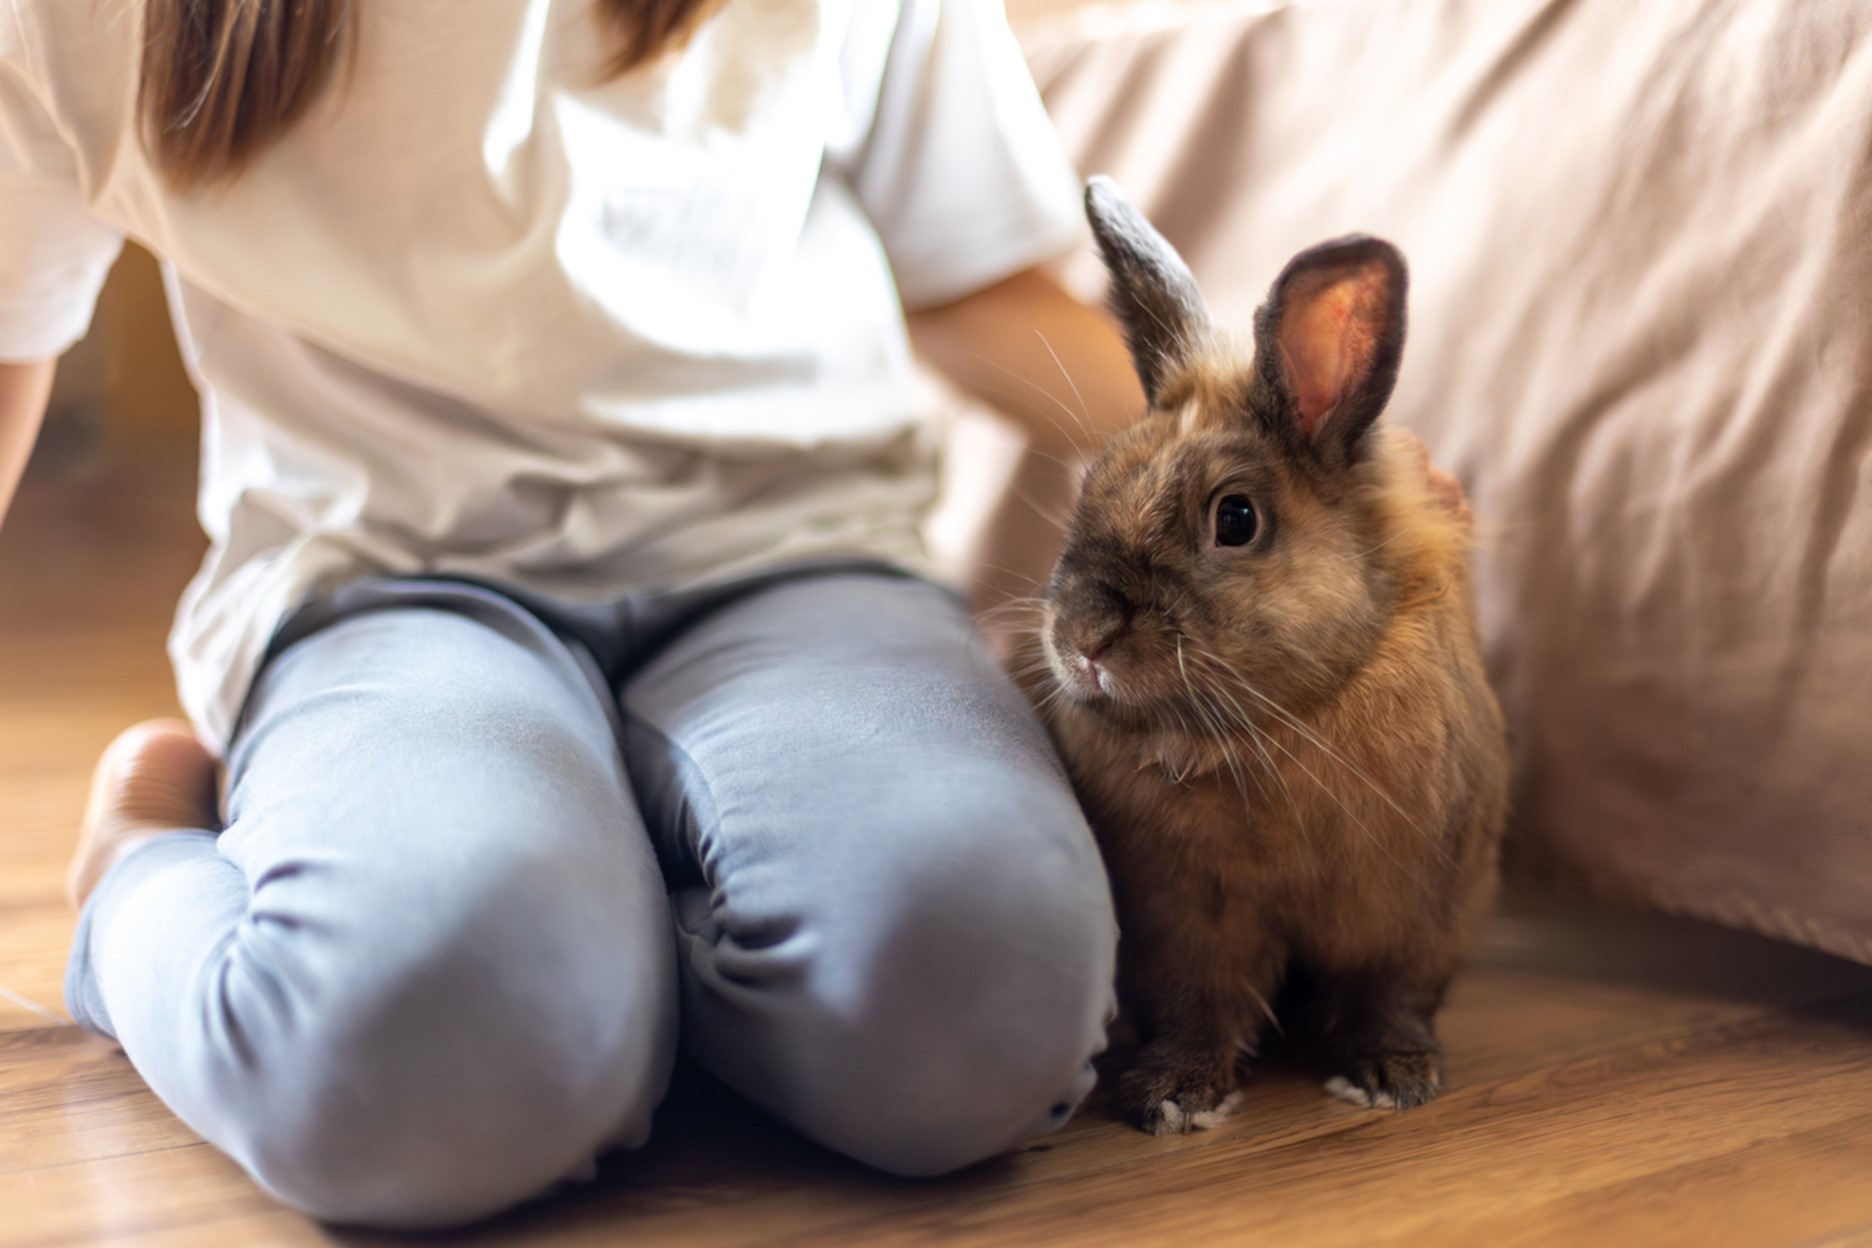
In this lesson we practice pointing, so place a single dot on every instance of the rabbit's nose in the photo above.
(1098, 636)
(1091, 652)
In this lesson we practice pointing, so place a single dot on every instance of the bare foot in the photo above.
(154, 778)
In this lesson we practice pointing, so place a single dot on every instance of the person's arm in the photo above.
(24, 389)
(1030, 350)
(1060, 371)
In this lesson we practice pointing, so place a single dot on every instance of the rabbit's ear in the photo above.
(1328, 342)
(1153, 294)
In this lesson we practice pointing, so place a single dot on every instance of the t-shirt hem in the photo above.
(925, 282)
(27, 336)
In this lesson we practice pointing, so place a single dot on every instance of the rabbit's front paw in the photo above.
(1390, 1080)
(1170, 1091)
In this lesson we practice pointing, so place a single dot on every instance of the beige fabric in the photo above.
(1641, 248)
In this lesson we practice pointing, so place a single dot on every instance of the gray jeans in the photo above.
(481, 857)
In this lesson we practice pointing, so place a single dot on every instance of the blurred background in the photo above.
(125, 380)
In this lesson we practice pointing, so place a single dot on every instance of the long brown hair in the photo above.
(223, 79)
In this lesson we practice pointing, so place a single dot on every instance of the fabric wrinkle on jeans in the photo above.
(483, 854)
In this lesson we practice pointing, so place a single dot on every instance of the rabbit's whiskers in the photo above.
(1221, 677)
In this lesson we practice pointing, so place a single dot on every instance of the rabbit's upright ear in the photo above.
(1328, 342)
(1153, 293)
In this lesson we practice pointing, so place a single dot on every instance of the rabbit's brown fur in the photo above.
(1288, 750)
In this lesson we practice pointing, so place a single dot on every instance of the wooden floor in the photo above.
(1616, 1079)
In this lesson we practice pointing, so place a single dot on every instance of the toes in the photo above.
(1169, 1117)
(1392, 1081)
(1410, 1079)
(1166, 1118)
(1204, 1120)
(1347, 1091)
(1173, 1098)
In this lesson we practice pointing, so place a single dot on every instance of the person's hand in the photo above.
(1444, 488)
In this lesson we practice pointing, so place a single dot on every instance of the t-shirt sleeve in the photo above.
(961, 172)
(54, 254)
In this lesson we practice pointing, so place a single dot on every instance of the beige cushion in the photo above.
(1641, 332)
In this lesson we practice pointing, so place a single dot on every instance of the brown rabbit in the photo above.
(1261, 665)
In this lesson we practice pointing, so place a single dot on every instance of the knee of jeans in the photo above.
(979, 1007)
(432, 1082)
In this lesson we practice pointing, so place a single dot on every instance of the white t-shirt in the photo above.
(484, 313)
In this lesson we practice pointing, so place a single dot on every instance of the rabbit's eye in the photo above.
(1235, 520)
